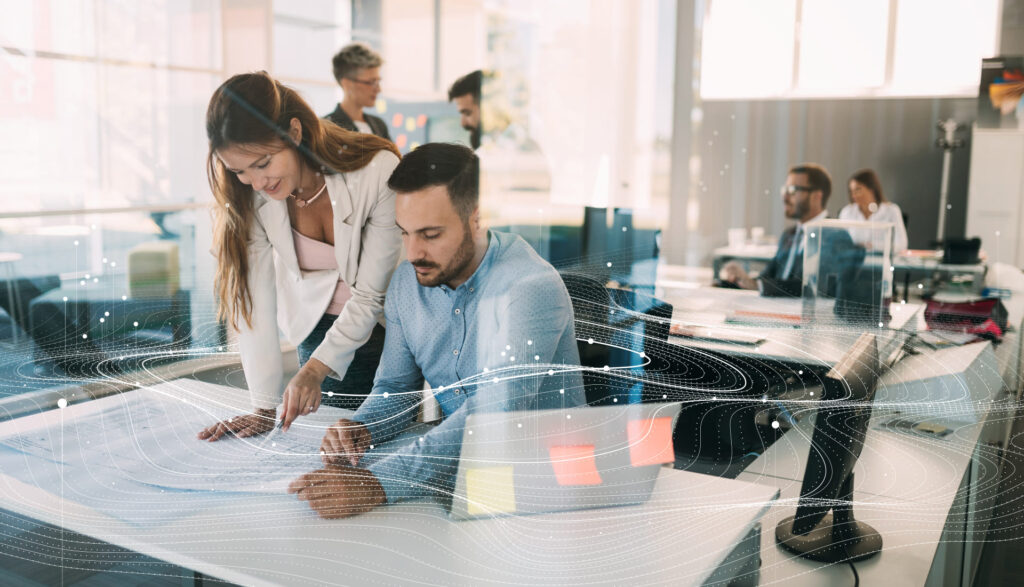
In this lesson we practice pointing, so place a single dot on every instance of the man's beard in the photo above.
(800, 209)
(474, 137)
(463, 257)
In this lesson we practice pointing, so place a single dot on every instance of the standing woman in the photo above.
(357, 71)
(305, 239)
(868, 203)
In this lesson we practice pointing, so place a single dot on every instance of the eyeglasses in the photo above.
(372, 83)
(789, 190)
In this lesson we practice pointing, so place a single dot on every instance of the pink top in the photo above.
(314, 255)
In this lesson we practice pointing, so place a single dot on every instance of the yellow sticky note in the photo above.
(490, 490)
(410, 124)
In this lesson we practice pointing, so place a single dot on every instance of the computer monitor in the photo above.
(823, 528)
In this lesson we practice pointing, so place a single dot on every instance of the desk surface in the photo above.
(821, 344)
(905, 487)
(680, 536)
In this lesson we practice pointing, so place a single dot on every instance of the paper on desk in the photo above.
(152, 439)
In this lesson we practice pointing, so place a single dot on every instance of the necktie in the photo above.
(794, 245)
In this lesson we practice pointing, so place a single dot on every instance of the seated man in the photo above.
(804, 197)
(478, 314)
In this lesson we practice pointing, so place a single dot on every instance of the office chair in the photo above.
(613, 327)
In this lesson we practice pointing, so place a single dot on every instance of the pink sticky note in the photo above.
(650, 442)
(575, 465)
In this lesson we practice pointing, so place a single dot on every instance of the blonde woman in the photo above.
(305, 240)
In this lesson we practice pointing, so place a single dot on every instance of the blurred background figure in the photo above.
(867, 202)
(465, 93)
(357, 70)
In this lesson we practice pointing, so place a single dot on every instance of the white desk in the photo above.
(930, 499)
(693, 527)
(821, 344)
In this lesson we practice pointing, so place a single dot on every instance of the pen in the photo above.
(273, 432)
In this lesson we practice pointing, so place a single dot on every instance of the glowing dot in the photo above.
(624, 229)
(65, 298)
(775, 424)
(606, 367)
(62, 403)
(113, 263)
(135, 323)
(529, 342)
(469, 431)
(590, 341)
(103, 320)
(536, 357)
(76, 243)
(104, 260)
(664, 396)
(519, 425)
(386, 394)
(551, 371)
(812, 394)
(81, 282)
(615, 400)
(800, 372)
(561, 391)
(124, 298)
(568, 416)
(503, 353)
(85, 336)
(609, 263)
(508, 347)
(880, 325)
(95, 279)
(273, 444)
(330, 394)
(106, 313)
(511, 358)
(920, 286)
(496, 380)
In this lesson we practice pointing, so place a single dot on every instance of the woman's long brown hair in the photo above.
(869, 179)
(255, 110)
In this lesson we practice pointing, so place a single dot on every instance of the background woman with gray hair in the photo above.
(357, 70)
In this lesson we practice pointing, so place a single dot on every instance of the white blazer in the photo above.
(367, 246)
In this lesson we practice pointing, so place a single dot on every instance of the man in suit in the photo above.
(357, 71)
(804, 197)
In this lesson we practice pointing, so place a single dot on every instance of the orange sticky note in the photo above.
(490, 490)
(650, 442)
(575, 465)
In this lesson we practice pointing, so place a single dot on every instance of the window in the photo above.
(831, 48)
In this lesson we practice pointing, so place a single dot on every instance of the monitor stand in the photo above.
(838, 537)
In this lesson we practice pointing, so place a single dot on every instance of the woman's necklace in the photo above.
(303, 203)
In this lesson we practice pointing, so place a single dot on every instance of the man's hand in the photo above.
(732, 272)
(241, 426)
(339, 492)
(302, 395)
(344, 443)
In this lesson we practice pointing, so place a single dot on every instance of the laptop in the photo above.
(533, 462)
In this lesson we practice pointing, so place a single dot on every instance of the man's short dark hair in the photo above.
(818, 177)
(454, 166)
(470, 83)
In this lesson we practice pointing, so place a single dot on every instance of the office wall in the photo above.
(730, 157)
(745, 149)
